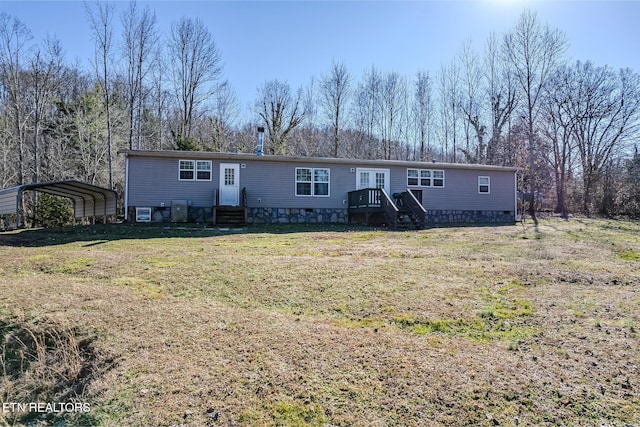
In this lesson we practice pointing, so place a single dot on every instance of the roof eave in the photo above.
(209, 155)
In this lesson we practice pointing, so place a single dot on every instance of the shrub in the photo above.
(53, 211)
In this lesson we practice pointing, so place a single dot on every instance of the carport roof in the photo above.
(88, 200)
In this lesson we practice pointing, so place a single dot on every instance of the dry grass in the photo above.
(452, 326)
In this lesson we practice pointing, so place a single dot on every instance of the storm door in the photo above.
(229, 184)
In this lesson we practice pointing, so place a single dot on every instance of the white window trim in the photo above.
(195, 169)
(193, 162)
(210, 170)
(431, 178)
(145, 213)
(386, 172)
(413, 177)
(313, 182)
(488, 185)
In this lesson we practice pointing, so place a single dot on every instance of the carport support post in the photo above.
(19, 211)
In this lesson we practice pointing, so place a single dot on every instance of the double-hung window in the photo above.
(203, 170)
(187, 168)
(195, 170)
(312, 182)
(412, 177)
(484, 184)
(425, 178)
(438, 178)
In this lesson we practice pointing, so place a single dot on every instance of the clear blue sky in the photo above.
(293, 41)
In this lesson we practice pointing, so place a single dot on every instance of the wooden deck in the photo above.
(373, 206)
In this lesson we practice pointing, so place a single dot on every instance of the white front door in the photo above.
(229, 184)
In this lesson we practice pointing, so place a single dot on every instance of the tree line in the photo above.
(572, 127)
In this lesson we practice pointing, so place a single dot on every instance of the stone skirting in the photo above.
(158, 214)
(435, 217)
(296, 215)
(325, 215)
(254, 215)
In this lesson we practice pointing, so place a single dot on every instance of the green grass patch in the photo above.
(296, 414)
(477, 328)
(39, 258)
(630, 255)
(75, 265)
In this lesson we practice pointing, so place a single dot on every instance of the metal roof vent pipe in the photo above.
(260, 138)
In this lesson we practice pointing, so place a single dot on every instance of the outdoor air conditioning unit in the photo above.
(179, 210)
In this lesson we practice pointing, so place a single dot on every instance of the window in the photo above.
(425, 178)
(438, 178)
(321, 182)
(143, 214)
(484, 184)
(312, 182)
(186, 170)
(203, 170)
(380, 179)
(199, 170)
(364, 180)
(412, 177)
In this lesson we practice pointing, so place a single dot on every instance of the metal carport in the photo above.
(88, 200)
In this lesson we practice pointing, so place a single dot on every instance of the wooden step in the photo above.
(230, 216)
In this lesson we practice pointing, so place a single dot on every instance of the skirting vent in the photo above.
(179, 210)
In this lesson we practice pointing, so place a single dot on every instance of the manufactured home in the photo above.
(226, 188)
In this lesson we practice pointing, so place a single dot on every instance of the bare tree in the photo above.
(14, 37)
(393, 109)
(196, 68)
(534, 51)
(306, 139)
(139, 28)
(335, 89)
(557, 126)
(224, 113)
(281, 111)
(366, 113)
(59, 159)
(606, 107)
(160, 97)
(423, 112)
(502, 96)
(45, 74)
(471, 104)
(449, 93)
(101, 24)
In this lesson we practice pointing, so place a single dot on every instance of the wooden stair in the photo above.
(230, 216)
(408, 220)
(375, 205)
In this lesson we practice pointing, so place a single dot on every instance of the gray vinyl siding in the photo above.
(153, 181)
(270, 183)
(274, 183)
(460, 191)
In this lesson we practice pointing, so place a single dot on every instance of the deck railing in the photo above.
(390, 210)
(410, 202)
(375, 200)
(365, 198)
(243, 197)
